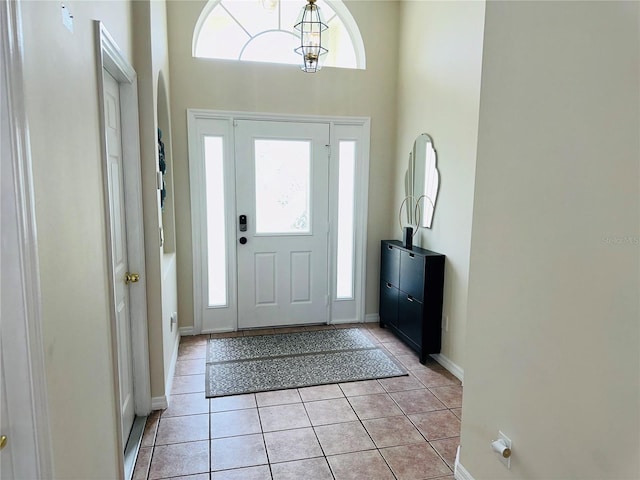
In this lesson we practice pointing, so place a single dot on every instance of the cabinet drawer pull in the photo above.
(388, 285)
(410, 298)
(412, 255)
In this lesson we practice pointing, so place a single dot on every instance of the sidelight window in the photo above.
(216, 231)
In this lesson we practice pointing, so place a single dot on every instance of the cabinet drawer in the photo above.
(410, 319)
(390, 264)
(412, 276)
(388, 304)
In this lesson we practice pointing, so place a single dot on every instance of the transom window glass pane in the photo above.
(216, 231)
(235, 38)
(262, 30)
(346, 199)
(341, 52)
(252, 16)
(282, 182)
(274, 47)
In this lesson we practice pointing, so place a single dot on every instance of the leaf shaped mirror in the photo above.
(421, 182)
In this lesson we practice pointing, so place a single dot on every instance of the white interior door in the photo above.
(282, 185)
(119, 250)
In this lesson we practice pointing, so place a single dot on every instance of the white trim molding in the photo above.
(455, 369)
(371, 318)
(27, 355)
(461, 473)
(172, 370)
(186, 331)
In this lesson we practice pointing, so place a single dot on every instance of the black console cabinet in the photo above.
(411, 284)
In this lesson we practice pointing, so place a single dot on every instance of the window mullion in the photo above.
(237, 21)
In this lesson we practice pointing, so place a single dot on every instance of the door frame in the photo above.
(111, 59)
(28, 395)
(361, 203)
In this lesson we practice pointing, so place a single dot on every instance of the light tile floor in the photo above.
(404, 428)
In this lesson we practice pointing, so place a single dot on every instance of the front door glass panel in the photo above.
(282, 183)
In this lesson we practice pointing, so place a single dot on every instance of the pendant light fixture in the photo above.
(311, 25)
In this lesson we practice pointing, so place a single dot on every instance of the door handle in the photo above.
(131, 278)
(243, 240)
(3, 441)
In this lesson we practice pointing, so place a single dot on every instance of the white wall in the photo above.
(62, 109)
(255, 87)
(439, 94)
(151, 62)
(553, 327)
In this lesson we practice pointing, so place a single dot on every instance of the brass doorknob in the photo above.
(3, 441)
(131, 278)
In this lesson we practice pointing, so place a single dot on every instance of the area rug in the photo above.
(290, 360)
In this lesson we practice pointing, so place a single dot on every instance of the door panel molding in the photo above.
(353, 128)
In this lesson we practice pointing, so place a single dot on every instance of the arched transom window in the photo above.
(262, 31)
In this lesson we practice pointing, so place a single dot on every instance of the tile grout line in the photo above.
(324, 455)
(380, 344)
(407, 416)
(377, 449)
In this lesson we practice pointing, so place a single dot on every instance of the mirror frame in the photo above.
(422, 182)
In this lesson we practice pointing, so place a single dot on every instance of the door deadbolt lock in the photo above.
(242, 223)
(131, 278)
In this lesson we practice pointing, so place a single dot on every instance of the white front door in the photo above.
(282, 225)
(119, 250)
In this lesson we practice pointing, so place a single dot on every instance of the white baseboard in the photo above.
(371, 318)
(456, 370)
(461, 473)
(172, 370)
(159, 403)
(186, 331)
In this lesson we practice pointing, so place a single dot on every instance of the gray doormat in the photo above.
(291, 360)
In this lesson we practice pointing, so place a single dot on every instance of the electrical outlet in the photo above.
(445, 323)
